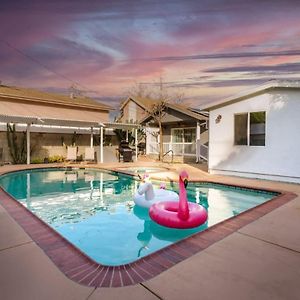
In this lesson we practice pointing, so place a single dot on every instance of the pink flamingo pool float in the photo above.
(182, 214)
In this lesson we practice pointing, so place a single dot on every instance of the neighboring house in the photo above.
(133, 110)
(184, 131)
(256, 134)
(52, 118)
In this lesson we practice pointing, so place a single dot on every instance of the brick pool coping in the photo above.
(83, 270)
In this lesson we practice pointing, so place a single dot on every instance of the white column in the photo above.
(92, 138)
(198, 144)
(101, 144)
(126, 135)
(136, 143)
(28, 143)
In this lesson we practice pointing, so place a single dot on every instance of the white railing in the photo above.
(181, 149)
(186, 149)
(204, 152)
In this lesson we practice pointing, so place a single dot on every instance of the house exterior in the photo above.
(134, 109)
(55, 120)
(185, 132)
(256, 134)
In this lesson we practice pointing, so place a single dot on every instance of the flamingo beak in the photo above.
(185, 182)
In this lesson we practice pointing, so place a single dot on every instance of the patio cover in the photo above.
(48, 115)
(123, 126)
(31, 113)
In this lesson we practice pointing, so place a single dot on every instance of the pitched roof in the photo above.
(181, 109)
(261, 89)
(33, 95)
(145, 102)
(188, 111)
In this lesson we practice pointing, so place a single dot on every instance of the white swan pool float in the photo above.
(146, 195)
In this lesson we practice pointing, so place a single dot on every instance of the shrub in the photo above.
(56, 159)
(37, 161)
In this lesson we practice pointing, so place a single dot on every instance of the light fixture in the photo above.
(218, 119)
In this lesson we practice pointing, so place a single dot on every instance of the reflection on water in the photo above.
(151, 229)
(70, 196)
(95, 210)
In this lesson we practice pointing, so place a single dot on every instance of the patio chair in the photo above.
(89, 154)
(71, 154)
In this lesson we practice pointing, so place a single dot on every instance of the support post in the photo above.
(92, 138)
(101, 144)
(136, 144)
(127, 135)
(28, 143)
(198, 144)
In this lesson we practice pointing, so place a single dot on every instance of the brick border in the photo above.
(83, 270)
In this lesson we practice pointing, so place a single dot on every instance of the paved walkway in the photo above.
(260, 261)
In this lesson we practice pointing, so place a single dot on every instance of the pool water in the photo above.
(95, 211)
(137, 170)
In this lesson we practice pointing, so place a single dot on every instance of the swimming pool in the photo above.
(94, 210)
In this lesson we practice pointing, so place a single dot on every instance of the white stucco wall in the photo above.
(279, 159)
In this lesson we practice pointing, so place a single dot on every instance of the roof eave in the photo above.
(253, 93)
(49, 101)
(187, 112)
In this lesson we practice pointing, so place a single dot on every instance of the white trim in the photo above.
(198, 142)
(50, 128)
(92, 138)
(252, 92)
(274, 177)
(248, 129)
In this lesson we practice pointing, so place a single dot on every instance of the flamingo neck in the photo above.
(183, 209)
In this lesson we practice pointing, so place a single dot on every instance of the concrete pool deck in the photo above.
(259, 261)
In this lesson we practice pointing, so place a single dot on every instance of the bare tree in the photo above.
(139, 90)
(160, 97)
(75, 92)
(157, 112)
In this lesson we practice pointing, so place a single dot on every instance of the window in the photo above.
(189, 135)
(240, 129)
(183, 141)
(249, 129)
(257, 128)
(183, 135)
(177, 135)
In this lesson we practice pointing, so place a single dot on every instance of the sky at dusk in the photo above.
(206, 49)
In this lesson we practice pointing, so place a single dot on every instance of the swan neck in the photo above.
(147, 189)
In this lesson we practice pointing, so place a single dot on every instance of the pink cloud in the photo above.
(98, 43)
